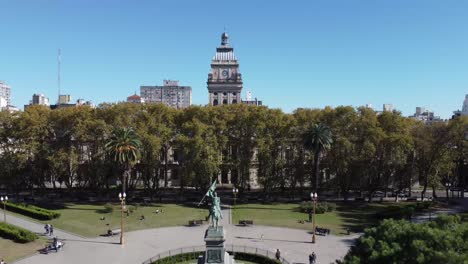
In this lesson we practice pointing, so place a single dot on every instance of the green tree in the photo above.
(439, 242)
(124, 145)
(317, 139)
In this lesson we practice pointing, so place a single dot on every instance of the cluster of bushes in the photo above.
(179, 258)
(237, 256)
(16, 234)
(254, 258)
(320, 208)
(403, 212)
(399, 241)
(108, 208)
(32, 211)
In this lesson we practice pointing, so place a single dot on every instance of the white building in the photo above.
(388, 108)
(40, 99)
(426, 116)
(464, 111)
(5, 92)
(170, 94)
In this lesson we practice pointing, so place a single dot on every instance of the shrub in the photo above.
(179, 258)
(237, 256)
(108, 208)
(16, 234)
(254, 258)
(32, 211)
(131, 208)
(321, 208)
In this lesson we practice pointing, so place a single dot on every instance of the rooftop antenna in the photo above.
(59, 60)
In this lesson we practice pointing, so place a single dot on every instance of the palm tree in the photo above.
(124, 144)
(317, 139)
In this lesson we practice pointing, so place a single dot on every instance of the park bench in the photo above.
(113, 232)
(246, 222)
(195, 222)
(322, 231)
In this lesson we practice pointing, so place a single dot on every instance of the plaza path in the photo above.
(141, 245)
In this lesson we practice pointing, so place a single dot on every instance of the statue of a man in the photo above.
(215, 210)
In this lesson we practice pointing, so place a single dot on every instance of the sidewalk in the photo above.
(38, 227)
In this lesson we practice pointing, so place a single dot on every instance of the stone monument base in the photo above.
(215, 252)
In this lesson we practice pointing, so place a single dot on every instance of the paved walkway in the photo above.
(141, 245)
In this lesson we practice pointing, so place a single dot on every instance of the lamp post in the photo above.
(313, 196)
(447, 187)
(122, 205)
(235, 191)
(4, 201)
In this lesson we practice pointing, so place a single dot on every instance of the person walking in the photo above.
(51, 230)
(278, 254)
(46, 227)
(312, 258)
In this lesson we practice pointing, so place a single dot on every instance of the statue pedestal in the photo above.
(215, 252)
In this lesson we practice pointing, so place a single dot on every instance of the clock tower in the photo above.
(224, 80)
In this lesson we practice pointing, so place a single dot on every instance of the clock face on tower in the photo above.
(225, 73)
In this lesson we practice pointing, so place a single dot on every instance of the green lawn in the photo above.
(355, 216)
(84, 219)
(11, 251)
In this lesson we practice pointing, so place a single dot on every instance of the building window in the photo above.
(225, 101)
(234, 93)
(215, 93)
(215, 102)
(224, 93)
(234, 101)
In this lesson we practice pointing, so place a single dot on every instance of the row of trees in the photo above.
(348, 149)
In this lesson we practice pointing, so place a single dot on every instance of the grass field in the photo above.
(84, 219)
(352, 216)
(11, 251)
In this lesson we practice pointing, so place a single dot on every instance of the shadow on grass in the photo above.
(358, 215)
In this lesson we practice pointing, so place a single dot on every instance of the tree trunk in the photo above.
(316, 170)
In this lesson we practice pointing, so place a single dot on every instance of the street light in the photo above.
(4, 201)
(314, 197)
(447, 187)
(235, 191)
(122, 205)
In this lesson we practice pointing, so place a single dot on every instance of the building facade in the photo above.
(135, 98)
(170, 93)
(426, 116)
(224, 81)
(5, 92)
(464, 111)
(39, 99)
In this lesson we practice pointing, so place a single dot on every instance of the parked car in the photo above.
(378, 194)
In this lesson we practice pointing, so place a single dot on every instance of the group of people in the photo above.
(49, 229)
(312, 256)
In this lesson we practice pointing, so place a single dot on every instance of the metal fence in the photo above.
(230, 248)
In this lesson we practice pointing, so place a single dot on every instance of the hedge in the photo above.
(403, 212)
(320, 208)
(16, 234)
(179, 258)
(237, 256)
(32, 211)
(255, 258)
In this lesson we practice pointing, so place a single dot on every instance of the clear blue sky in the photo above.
(292, 53)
